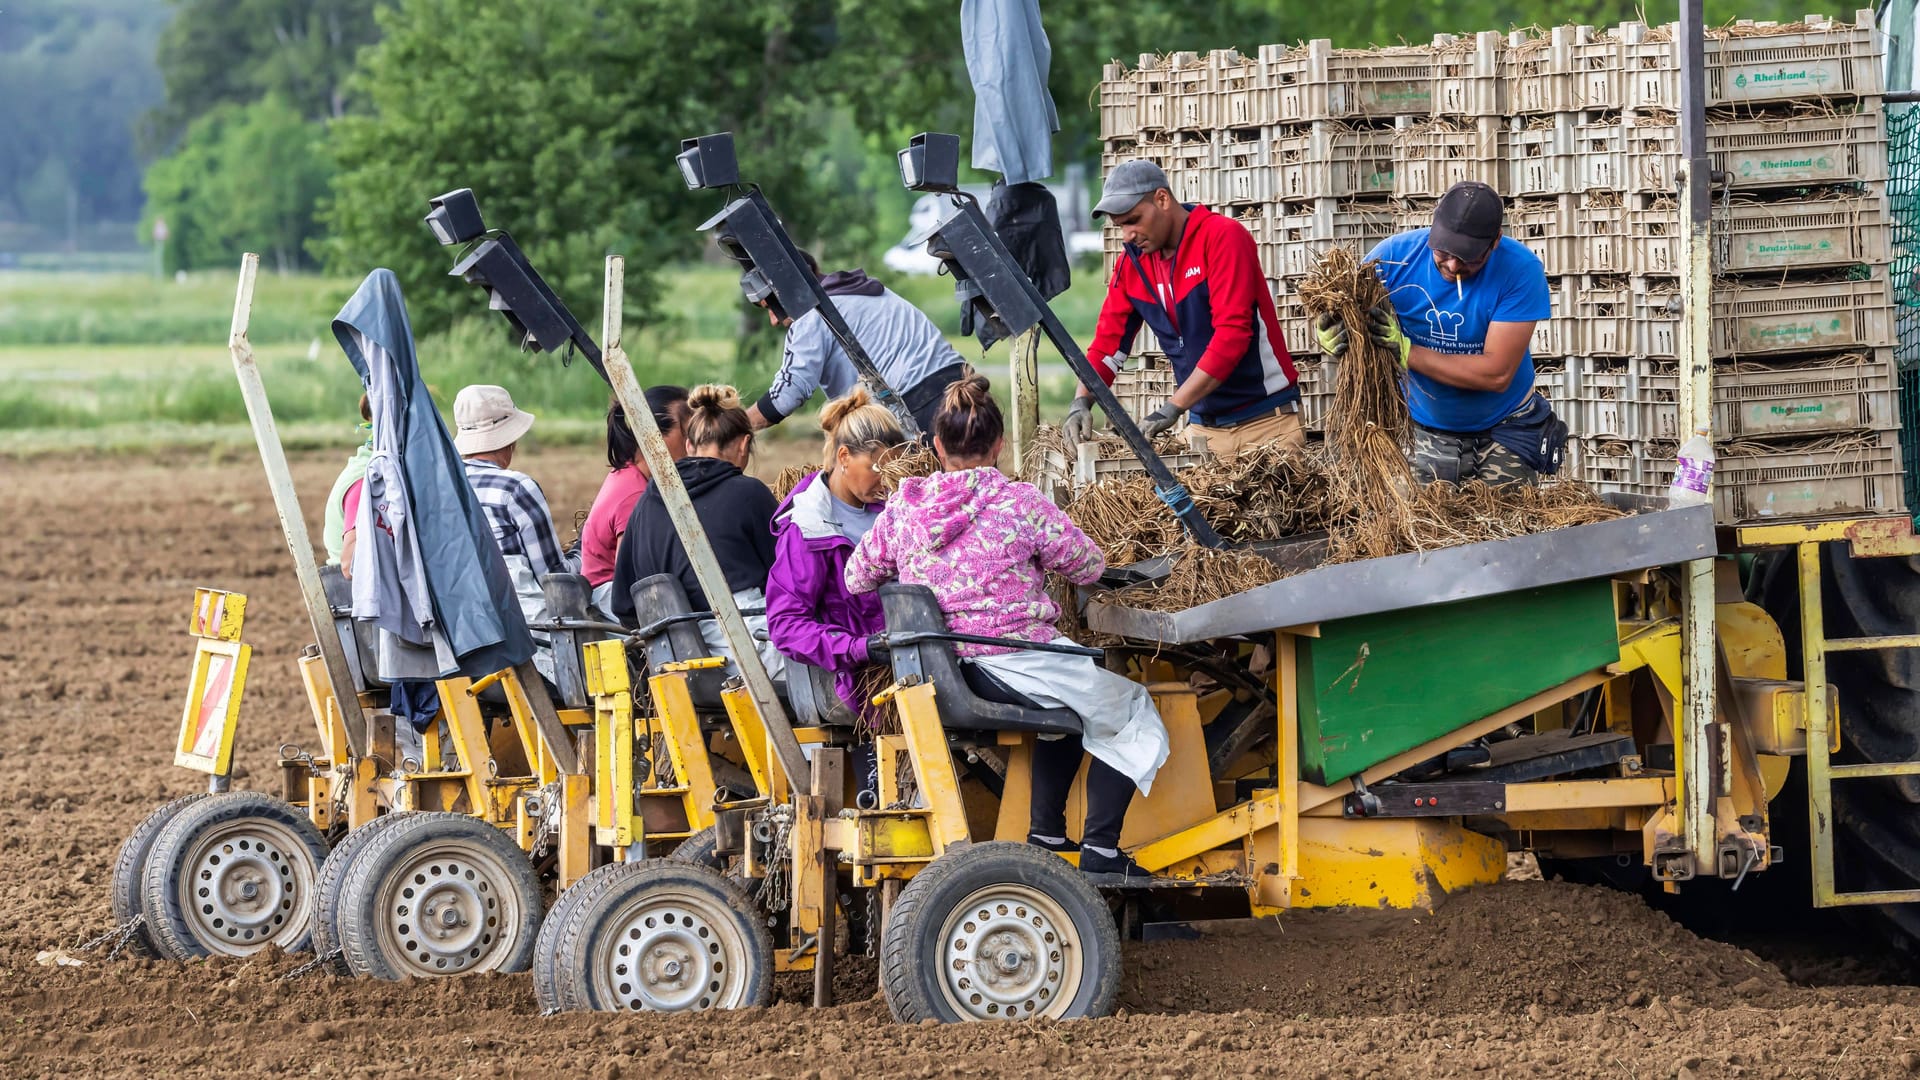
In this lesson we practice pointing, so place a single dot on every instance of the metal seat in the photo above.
(671, 634)
(970, 698)
(568, 598)
(815, 702)
(357, 639)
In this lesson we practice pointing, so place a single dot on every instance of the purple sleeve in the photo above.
(795, 589)
(872, 564)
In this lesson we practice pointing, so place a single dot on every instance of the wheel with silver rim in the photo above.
(127, 891)
(999, 932)
(657, 936)
(230, 875)
(437, 894)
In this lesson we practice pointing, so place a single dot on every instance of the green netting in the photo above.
(1903, 201)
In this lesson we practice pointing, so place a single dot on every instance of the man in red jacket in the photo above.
(1193, 277)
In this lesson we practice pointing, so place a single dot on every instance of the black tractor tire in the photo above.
(326, 910)
(466, 876)
(664, 935)
(698, 850)
(943, 945)
(231, 874)
(130, 868)
(1876, 822)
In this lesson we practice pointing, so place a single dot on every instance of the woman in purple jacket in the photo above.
(811, 617)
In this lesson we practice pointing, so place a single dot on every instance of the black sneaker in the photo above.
(1058, 847)
(1112, 870)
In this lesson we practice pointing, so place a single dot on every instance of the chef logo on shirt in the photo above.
(1445, 326)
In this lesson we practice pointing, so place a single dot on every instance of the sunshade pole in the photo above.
(626, 387)
(1698, 654)
(280, 481)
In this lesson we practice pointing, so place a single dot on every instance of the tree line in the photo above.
(315, 130)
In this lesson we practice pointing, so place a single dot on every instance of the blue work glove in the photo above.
(1160, 420)
(1383, 326)
(1330, 331)
(1078, 426)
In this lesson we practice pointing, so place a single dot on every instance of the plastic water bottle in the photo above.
(1693, 471)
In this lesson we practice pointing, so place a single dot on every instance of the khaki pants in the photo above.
(1226, 443)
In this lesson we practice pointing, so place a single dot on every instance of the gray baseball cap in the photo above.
(1127, 184)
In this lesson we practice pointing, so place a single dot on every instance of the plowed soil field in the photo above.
(98, 558)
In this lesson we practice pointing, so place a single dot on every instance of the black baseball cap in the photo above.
(1466, 224)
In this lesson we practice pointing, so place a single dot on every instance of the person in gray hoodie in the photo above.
(911, 353)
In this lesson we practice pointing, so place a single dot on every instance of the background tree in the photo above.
(244, 178)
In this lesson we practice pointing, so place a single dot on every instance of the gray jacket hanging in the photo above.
(436, 581)
(1008, 58)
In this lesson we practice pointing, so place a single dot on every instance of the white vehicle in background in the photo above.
(909, 256)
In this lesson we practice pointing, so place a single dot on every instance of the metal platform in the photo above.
(1649, 538)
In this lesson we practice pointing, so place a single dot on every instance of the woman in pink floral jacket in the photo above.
(984, 544)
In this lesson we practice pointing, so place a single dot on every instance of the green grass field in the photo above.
(123, 362)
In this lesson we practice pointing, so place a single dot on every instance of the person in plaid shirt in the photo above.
(489, 427)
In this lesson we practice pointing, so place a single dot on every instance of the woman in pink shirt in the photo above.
(600, 536)
(984, 544)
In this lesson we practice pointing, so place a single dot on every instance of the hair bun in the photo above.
(713, 397)
(836, 411)
(968, 391)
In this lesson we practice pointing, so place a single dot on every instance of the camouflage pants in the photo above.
(1457, 457)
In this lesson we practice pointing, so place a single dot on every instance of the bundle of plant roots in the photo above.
(1368, 427)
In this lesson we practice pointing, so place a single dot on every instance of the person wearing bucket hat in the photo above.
(487, 428)
(1462, 301)
(1193, 277)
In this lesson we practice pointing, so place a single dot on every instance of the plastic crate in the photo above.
(1853, 392)
(1119, 102)
(1801, 234)
(1653, 245)
(1296, 326)
(1542, 162)
(1236, 89)
(1799, 151)
(1329, 160)
(1601, 309)
(1758, 63)
(1434, 156)
(1774, 317)
(1818, 58)
(1550, 228)
(1656, 318)
(1190, 97)
(1277, 90)
(1610, 464)
(1191, 169)
(1143, 390)
(1800, 484)
(1652, 146)
(1553, 337)
(1152, 94)
(1245, 175)
(1304, 230)
(1343, 84)
(1570, 69)
(1606, 246)
(1468, 79)
(1600, 159)
(1316, 389)
(1615, 398)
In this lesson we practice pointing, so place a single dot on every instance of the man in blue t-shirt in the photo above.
(1464, 300)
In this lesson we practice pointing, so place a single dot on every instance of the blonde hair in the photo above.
(714, 416)
(860, 424)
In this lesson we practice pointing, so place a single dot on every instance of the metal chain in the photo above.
(549, 819)
(776, 894)
(121, 936)
(313, 965)
(905, 780)
(873, 921)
